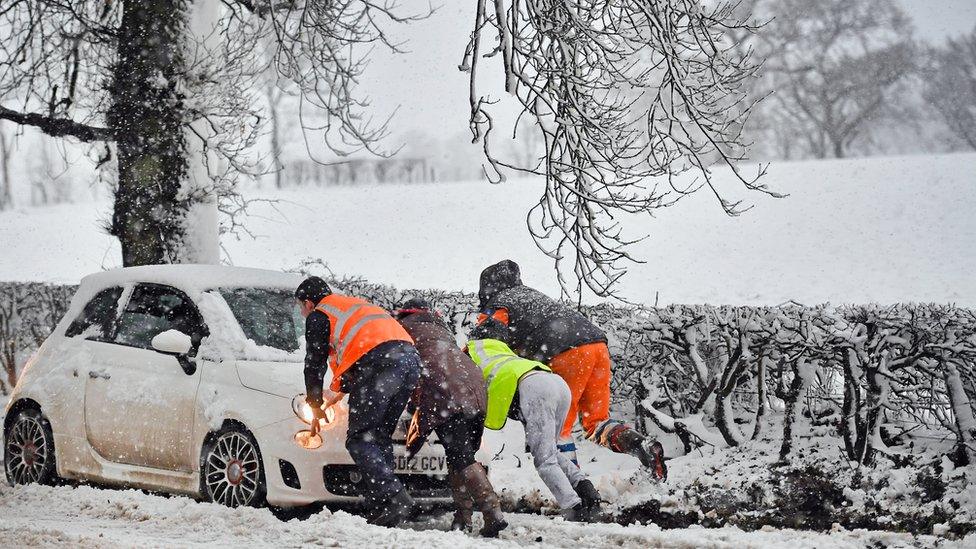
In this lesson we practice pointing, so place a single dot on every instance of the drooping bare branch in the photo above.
(627, 97)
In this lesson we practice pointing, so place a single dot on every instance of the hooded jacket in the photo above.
(534, 325)
(450, 382)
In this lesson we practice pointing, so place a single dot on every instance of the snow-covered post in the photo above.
(201, 229)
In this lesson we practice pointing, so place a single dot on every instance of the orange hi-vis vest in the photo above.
(357, 327)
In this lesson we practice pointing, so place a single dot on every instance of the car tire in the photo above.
(28, 449)
(231, 469)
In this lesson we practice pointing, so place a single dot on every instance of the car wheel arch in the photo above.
(17, 407)
(225, 425)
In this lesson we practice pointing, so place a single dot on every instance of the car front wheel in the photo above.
(28, 456)
(231, 471)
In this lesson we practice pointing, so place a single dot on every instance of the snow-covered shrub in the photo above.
(28, 313)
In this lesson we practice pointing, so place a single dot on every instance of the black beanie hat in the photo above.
(312, 289)
(495, 278)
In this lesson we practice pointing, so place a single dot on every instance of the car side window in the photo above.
(98, 315)
(154, 309)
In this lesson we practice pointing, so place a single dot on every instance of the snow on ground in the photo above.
(85, 516)
(37, 516)
(880, 229)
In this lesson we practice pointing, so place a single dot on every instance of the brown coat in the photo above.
(450, 382)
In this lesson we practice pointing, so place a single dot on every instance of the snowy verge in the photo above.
(747, 487)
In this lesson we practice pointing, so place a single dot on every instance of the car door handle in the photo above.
(96, 374)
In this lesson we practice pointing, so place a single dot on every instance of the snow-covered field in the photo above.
(880, 229)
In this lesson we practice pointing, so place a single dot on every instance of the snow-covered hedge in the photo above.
(878, 374)
(28, 313)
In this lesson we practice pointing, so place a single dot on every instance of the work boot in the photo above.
(577, 514)
(462, 502)
(398, 509)
(591, 500)
(650, 452)
(483, 494)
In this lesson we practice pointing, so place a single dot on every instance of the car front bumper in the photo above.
(295, 476)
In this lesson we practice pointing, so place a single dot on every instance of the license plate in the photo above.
(431, 465)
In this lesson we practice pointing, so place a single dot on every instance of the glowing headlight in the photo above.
(305, 438)
(305, 413)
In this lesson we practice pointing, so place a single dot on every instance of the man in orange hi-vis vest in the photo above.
(374, 361)
(540, 328)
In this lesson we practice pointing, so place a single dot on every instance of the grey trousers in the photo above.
(544, 399)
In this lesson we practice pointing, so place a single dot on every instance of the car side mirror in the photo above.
(178, 344)
(172, 342)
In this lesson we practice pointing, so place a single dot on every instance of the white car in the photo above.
(187, 379)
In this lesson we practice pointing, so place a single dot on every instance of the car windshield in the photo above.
(268, 316)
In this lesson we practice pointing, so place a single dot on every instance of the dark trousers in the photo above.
(461, 435)
(377, 398)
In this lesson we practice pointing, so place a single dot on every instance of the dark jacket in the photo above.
(538, 327)
(317, 331)
(450, 382)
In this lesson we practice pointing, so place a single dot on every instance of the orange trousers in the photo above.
(586, 369)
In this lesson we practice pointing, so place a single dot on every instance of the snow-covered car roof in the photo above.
(226, 340)
(194, 279)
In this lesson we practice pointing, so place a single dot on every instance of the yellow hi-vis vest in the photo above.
(502, 370)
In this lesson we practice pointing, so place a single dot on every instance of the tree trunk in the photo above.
(10, 302)
(876, 400)
(165, 211)
(201, 242)
(147, 117)
(851, 407)
(760, 397)
(791, 398)
(962, 410)
(6, 194)
(274, 96)
(725, 420)
(838, 145)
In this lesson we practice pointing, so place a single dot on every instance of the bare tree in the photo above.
(626, 96)
(276, 92)
(166, 86)
(6, 191)
(835, 67)
(951, 85)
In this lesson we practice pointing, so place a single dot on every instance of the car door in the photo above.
(140, 403)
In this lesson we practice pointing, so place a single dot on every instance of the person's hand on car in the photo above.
(315, 403)
(331, 398)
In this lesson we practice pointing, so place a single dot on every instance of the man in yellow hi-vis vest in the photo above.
(528, 391)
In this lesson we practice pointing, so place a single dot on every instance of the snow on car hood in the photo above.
(284, 379)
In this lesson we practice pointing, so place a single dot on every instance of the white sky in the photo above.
(432, 93)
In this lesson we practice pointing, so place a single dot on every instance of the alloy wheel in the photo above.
(232, 471)
(26, 450)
